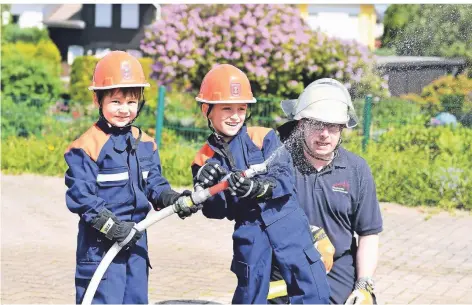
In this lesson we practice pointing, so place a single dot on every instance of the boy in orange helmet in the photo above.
(114, 172)
(268, 220)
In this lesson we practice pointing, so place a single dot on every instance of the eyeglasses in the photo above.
(320, 126)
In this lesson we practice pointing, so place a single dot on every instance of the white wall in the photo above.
(30, 15)
(336, 24)
(336, 20)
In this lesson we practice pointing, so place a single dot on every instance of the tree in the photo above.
(430, 30)
(395, 20)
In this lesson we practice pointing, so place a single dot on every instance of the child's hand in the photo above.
(116, 230)
(182, 203)
(210, 174)
(251, 188)
(123, 229)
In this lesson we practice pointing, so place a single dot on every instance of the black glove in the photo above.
(210, 174)
(251, 188)
(116, 230)
(170, 197)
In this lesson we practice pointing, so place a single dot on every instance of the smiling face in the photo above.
(119, 107)
(227, 119)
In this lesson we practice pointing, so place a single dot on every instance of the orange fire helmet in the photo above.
(225, 84)
(118, 69)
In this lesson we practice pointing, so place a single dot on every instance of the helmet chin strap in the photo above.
(219, 135)
(100, 113)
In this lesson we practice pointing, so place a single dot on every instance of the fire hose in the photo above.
(197, 197)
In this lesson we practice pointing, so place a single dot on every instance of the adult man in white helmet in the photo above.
(335, 187)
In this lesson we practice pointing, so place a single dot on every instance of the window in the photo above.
(72, 52)
(103, 15)
(100, 52)
(129, 16)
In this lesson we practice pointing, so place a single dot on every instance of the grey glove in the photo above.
(183, 209)
(250, 187)
(210, 174)
(123, 232)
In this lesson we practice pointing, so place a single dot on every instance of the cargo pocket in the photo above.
(86, 270)
(241, 270)
(318, 271)
(91, 247)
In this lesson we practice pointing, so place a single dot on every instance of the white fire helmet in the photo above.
(325, 100)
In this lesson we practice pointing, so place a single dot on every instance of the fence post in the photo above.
(160, 114)
(367, 121)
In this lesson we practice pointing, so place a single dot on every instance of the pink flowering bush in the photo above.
(271, 43)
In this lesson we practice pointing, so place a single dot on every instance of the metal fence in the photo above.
(266, 112)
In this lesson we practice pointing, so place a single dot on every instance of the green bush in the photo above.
(21, 118)
(45, 156)
(34, 155)
(44, 50)
(24, 118)
(176, 160)
(388, 112)
(29, 79)
(12, 33)
(431, 95)
(452, 103)
(150, 93)
(413, 165)
(81, 78)
(429, 30)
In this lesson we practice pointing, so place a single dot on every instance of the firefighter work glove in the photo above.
(363, 293)
(210, 174)
(324, 247)
(185, 206)
(123, 232)
(250, 187)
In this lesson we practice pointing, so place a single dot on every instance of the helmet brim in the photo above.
(253, 101)
(92, 88)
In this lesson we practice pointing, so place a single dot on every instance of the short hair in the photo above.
(135, 92)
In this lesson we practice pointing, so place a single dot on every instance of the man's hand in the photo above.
(210, 174)
(363, 294)
(250, 187)
(324, 246)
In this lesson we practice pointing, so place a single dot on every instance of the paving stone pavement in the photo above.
(425, 258)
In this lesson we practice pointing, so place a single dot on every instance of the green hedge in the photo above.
(45, 156)
(411, 165)
(12, 33)
(31, 71)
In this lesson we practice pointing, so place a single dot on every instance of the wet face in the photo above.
(227, 119)
(321, 138)
(120, 109)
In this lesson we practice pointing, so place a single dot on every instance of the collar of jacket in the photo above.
(119, 136)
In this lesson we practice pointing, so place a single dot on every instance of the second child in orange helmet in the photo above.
(269, 224)
(114, 171)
